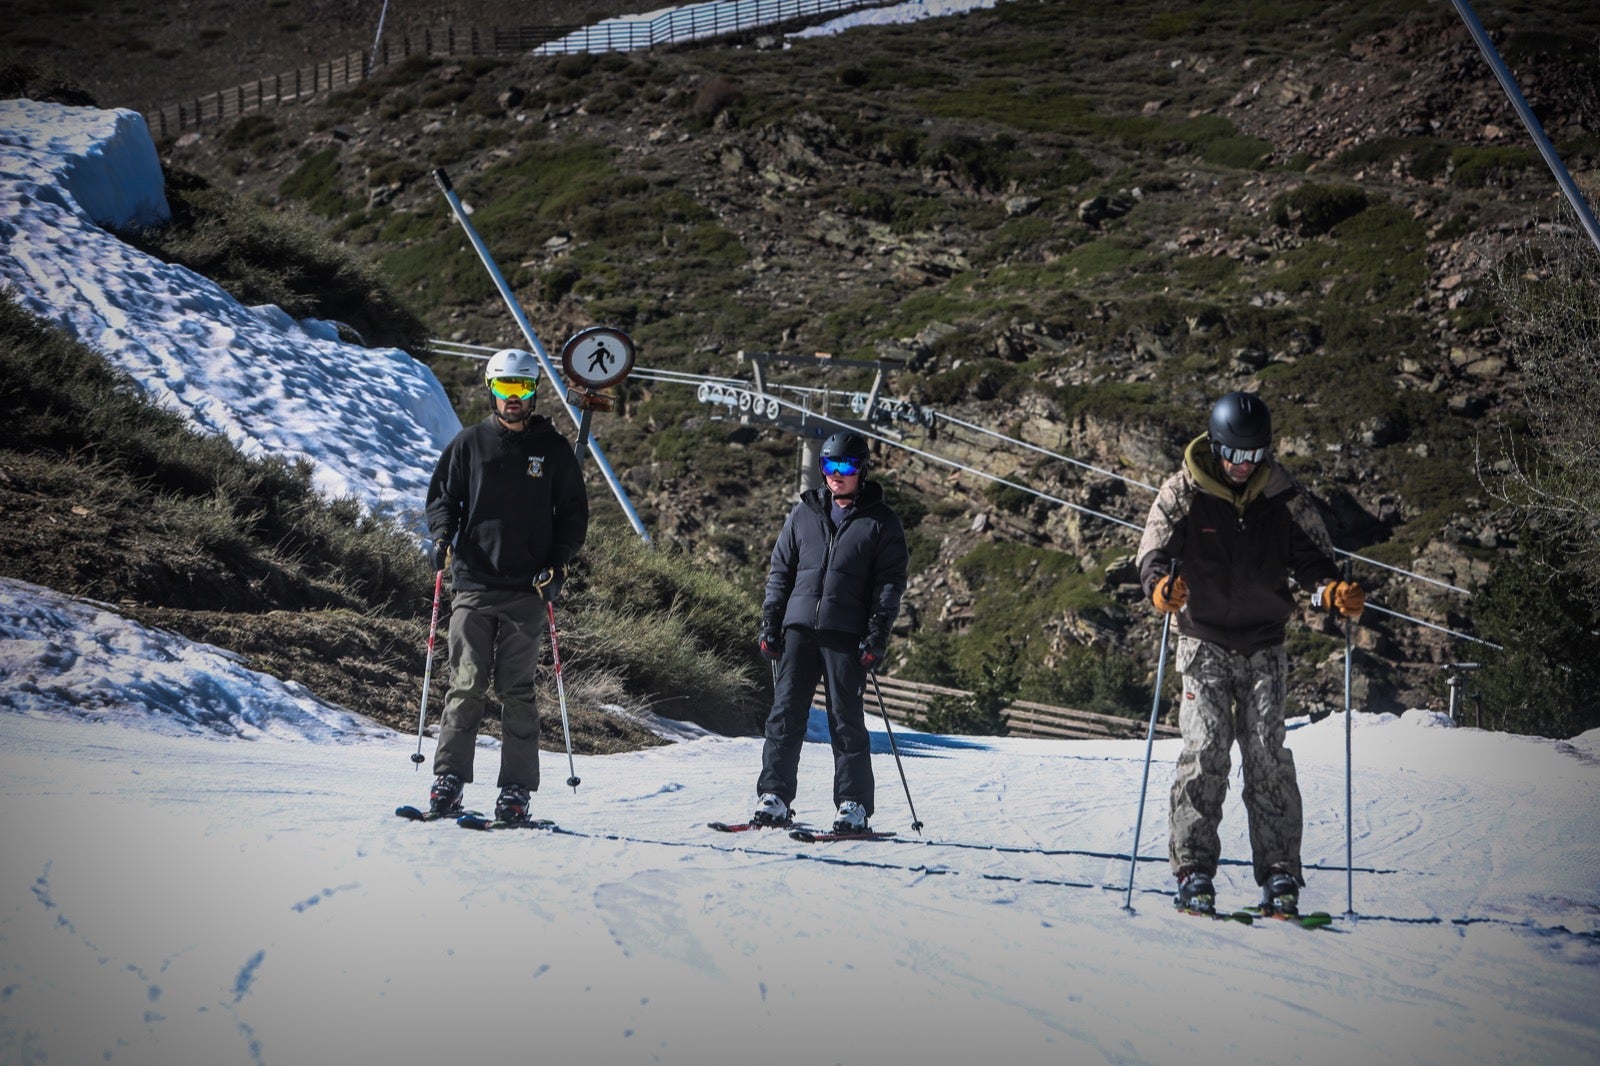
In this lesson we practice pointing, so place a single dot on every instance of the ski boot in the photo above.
(852, 818)
(1281, 894)
(1195, 893)
(770, 811)
(512, 806)
(444, 799)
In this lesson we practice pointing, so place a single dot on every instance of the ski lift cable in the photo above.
(1151, 488)
(961, 467)
(1097, 514)
(686, 378)
(1042, 450)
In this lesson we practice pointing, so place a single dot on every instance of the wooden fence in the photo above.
(907, 701)
(697, 22)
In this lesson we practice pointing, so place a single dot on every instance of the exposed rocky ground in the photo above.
(985, 294)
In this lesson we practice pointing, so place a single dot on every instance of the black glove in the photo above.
(875, 643)
(441, 554)
(771, 638)
(547, 582)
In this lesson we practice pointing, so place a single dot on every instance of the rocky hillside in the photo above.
(1071, 224)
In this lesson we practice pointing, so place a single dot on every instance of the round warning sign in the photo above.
(598, 357)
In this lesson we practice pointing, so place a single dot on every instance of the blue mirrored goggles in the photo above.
(843, 467)
(1239, 455)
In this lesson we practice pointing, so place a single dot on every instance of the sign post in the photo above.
(594, 359)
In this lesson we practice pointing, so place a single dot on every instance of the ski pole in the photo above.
(1349, 829)
(915, 824)
(427, 670)
(561, 693)
(1149, 744)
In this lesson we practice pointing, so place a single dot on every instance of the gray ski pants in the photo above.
(494, 633)
(1228, 696)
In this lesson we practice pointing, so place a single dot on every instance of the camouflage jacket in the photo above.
(1236, 549)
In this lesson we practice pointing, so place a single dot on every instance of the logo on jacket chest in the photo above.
(536, 466)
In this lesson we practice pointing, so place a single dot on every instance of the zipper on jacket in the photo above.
(827, 562)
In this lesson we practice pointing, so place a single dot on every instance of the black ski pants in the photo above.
(835, 657)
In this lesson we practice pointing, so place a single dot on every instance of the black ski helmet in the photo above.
(846, 444)
(1240, 420)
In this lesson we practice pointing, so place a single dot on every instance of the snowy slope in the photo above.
(195, 896)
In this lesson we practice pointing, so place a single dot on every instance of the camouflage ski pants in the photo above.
(1228, 696)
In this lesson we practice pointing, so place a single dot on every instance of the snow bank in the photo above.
(102, 163)
(371, 421)
(66, 658)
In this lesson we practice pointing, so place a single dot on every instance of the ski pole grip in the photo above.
(443, 179)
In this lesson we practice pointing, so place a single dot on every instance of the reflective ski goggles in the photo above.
(1240, 455)
(844, 467)
(513, 388)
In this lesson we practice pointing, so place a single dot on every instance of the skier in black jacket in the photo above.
(834, 585)
(508, 505)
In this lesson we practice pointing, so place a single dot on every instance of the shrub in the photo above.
(1473, 167)
(675, 632)
(1538, 681)
(1091, 679)
(318, 183)
(1242, 153)
(717, 95)
(993, 685)
(1312, 210)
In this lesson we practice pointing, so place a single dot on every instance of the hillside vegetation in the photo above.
(1075, 225)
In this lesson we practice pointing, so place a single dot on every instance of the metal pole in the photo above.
(1149, 743)
(1564, 179)
(427, 670)
(573, 412)
(915, 822)
(379, 37)
(1349, 723)
(561, 694)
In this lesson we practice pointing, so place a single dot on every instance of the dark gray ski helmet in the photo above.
(846, 444)
(1240, 423)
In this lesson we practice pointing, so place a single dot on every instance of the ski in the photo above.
(811, 836)
(745, 827)
(475, 820)
(1309, 920)
(1242, 917)
(416, 814)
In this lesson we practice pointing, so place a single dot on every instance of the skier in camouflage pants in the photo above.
(1238, 528)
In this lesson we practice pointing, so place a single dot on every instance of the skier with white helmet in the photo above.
(1238, 528)
(508, 511)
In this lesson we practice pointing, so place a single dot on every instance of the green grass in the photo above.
(265, 258)
(318, 183)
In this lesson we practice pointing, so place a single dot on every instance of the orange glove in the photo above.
(1170, 594)
(1346, 597)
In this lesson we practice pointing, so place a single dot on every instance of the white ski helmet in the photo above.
(511, 363)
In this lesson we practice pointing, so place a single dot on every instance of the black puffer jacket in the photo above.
(512, 503)
(1236, 549)
(827, 578)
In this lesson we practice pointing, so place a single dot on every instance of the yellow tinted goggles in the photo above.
(513, 388)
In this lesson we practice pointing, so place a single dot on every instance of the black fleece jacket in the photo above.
(512, 503)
